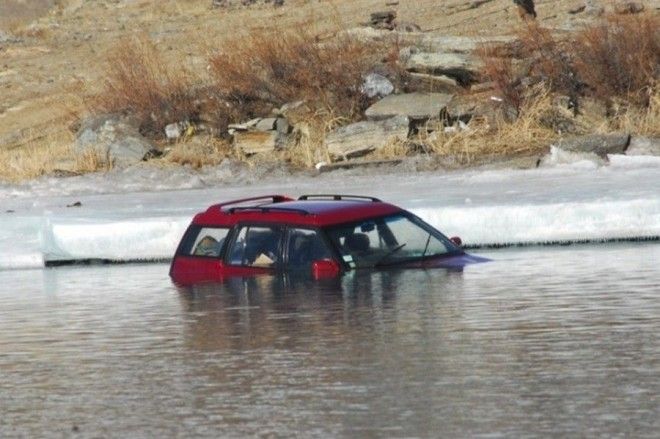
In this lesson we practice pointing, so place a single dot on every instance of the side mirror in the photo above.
(456, 240)
(325, 269)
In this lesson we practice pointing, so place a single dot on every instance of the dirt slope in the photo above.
(59, 58)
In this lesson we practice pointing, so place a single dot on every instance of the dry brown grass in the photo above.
(34, 159)
(140, 82)
(527, 134)
(639, 121)
(201, 152)
(268, 68)
(306, 147)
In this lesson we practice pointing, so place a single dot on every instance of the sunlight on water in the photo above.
(542, 341)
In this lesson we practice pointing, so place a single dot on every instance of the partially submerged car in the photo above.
(323, 235)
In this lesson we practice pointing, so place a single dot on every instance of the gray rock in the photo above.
(463, 68)
(600, 144)
(415, 106)
(266, 124)
(376, 85)
(433, 83)
(362, 137)
(465, 107)
(640, 145)
(8, 39)
(175, 130)
(254, 142)
(113, 138)
(282, 126)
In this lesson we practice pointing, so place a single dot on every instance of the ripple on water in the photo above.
(542, 341)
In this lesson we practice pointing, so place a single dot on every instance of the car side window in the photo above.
(209, 242)
(256, 246)
(305, 246)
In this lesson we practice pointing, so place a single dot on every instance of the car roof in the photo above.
(308, 210)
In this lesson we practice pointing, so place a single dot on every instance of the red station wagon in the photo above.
(321, 235)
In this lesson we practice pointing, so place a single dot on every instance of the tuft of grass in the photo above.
(207, 151)
(269, 68)
(307, 145)
(639, 120)
(527, 134)
(139, 82)
(36, 158)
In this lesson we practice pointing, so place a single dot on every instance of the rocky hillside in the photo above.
(53, 53)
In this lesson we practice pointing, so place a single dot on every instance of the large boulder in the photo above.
(115, 139)
(599, 144)
(362, 137)
(415, 106)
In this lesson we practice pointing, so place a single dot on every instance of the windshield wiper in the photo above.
(390, 253)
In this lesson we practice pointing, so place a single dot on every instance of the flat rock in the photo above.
(465, 107)
(254, 142)
(463, 68)
(640, 145)
(245, 125)
(266, 124)
(433, 83)
(600, 144)
(327, 167)
(427, 42)
(113, 138)
(415, 106)
(362, 137)
(451, 43)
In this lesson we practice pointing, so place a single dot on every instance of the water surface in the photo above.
(542, 341)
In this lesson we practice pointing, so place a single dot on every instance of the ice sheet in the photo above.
(140, 214)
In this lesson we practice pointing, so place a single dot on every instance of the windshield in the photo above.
(388, 240)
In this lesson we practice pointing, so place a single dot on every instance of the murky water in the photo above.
(542, 341)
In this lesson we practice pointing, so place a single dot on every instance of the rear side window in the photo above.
(204, 241)
(305, 246)
(256, 246)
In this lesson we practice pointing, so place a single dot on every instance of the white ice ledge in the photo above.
(559, 205)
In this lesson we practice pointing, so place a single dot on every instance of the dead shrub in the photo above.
(537, 56)
(139, 82)
(507, 80)
(270, 68)
(620, 56)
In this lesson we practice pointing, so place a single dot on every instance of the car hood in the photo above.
(453, 261)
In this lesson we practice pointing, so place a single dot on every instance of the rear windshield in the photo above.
(203, 241)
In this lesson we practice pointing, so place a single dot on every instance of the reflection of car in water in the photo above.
(323, 235)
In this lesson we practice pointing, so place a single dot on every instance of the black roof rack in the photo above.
(269, 198)
(266, 209)
(338, 197)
